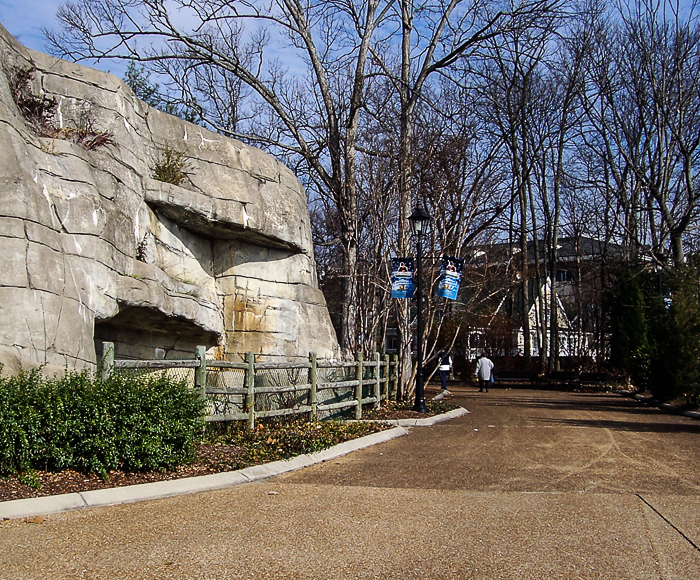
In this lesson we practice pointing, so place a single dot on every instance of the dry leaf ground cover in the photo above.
(230, 449)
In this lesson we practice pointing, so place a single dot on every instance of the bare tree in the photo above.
(458, 176)
(507, 75)
(316, 121)
(566, 73)
(644, 104)
(455, 30)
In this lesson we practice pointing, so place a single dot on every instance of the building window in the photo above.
(563, 276)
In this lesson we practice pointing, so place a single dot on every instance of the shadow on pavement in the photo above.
(573, 402)
(636, 426)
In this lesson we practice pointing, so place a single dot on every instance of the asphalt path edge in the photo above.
(663, 406)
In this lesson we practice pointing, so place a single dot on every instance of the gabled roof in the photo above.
(568, 249)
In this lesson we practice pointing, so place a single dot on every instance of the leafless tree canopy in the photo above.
(516, 124)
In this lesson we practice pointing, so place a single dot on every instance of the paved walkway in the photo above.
(528, 485)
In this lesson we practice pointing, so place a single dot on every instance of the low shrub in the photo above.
(83, 423)
(282, 439)
(20, 424)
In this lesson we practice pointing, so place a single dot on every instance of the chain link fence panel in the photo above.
(277, 391)
(224, 389)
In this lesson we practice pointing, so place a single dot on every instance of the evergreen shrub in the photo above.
(83, 423)
(655, 324)
(674, 325)
(630, 345)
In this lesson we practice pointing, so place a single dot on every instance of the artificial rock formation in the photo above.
(95, 249)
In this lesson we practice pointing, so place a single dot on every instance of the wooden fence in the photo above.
(247, 391)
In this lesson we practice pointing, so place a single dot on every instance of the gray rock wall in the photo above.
(93, 248)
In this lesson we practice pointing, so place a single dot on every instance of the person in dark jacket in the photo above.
(445, 367)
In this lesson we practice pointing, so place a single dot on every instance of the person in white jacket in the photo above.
(484, 368)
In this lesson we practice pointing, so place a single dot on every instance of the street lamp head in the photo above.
(418, 220)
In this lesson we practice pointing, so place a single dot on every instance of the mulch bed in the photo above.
(210, 459)
(388, 413)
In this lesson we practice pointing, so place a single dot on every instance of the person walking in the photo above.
(484, 368)
(445, 367)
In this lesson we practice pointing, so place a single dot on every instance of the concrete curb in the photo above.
(21, 508)
(427, 422)
(663, 406)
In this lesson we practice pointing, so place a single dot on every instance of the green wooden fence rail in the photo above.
(383, 380)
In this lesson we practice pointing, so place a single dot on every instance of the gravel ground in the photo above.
(530, 485)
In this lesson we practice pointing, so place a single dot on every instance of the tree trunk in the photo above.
(348, 328)
(524, 272)
(405, 197)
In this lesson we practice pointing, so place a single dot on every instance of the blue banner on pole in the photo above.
(402, 284)
(450, 277)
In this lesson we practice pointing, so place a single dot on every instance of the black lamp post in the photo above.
(419, 220)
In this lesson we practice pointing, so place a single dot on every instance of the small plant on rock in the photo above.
(40, 111)
(37, 110)
(171, 166)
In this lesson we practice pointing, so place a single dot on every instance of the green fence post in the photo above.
(200, 373)
(250, 384)
(313, 378)
(387, 374)
(377, 384)
(358, 387)
(107, 363)
(394, 375)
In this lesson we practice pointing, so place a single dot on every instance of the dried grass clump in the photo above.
(87, 138)
(172, 166)
(39, 112)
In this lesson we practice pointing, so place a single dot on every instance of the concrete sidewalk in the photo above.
(528, 485)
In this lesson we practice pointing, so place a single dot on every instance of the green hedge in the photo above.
(655, 324)
(84, 423)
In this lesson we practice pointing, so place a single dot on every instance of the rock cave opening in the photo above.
(145, 333)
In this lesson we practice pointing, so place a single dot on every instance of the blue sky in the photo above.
(25, 19)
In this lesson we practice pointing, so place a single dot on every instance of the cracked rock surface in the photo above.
(94, 249)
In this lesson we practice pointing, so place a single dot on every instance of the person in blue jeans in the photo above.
(484, 368)
(445, 368)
